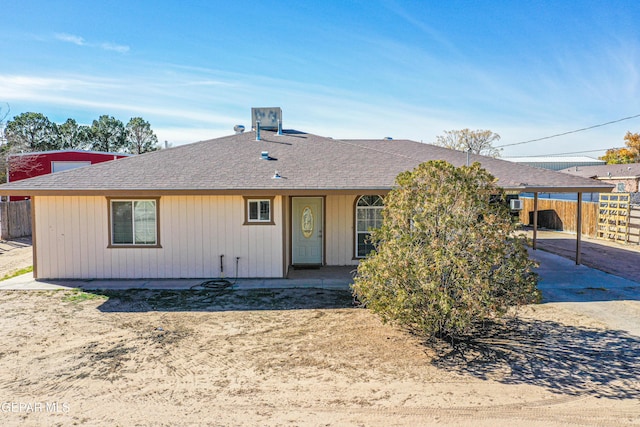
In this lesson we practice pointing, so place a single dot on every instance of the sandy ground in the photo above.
(299, 357)
(304, 357)
(15, 255)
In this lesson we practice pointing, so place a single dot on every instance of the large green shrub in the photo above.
(446, 257)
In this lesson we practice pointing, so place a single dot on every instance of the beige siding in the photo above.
(72, 239)
(339, 230)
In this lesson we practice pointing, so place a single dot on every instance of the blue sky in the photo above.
(344, 69)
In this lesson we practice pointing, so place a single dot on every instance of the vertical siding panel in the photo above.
(199, 237)
(140, 261)
(275, 245)
(188, 228)
(95, 229)
(39, 236)
(349, 230)
(82, 238)
(268, 248)
(206, 237)
(173, 260)
(47, 248)
(340, 230)
(182, 254)
(340, 218)
(225, 230)
(154, 254)
(175, 233)
(73, 240)
(61, 231)
(43, 237)
(258, 247)
(240, 236)
(213, 236)
(73, 236)
(347, 233)
(332, 230)
(69, 226)
(100, 221)
(165, 237)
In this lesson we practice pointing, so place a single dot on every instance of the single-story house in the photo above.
(265, 200)
(625, 177)
(27, 165)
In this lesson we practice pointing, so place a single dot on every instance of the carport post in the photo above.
(535, 219)
(578, 228)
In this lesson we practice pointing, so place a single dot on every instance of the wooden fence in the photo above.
(618, 219)
(15, 219)
(561, 215)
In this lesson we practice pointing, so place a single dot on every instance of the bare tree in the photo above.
(4, 113)
(474, 141)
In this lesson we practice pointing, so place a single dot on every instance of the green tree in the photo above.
(475, 141)
(107, 134)
(446, 257)
(31, 132)
(616, 156)
(72, 136)
(140, 137)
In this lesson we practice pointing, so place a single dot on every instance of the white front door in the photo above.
(306, 233)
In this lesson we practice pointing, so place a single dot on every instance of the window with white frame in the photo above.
(368, 217)
(258, 211)
(134, 222)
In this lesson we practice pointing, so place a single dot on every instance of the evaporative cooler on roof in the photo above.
(267, 116)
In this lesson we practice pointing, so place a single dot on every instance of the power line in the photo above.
(567, 133)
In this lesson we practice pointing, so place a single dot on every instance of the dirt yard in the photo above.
(15, 255)
(299, 357)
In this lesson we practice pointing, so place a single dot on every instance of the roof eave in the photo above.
(562, 189)
(139, 192)
(192, 192)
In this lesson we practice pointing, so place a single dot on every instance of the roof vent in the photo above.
(270, 118)
(388, 138)
(276, 175)
(265, 155)
(238, 129)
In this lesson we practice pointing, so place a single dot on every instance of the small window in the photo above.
(621, 187)
(258, 211)
(134, 222)
(368, 217)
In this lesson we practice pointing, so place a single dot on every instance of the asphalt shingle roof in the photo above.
(603, 171)
(304, 161)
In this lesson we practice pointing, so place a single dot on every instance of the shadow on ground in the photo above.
(563, 359)
(222, 299)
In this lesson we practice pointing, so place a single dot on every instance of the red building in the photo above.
(28, 165)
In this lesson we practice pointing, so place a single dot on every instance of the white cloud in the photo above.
(70, 38)
(115, 47)
(80, 41)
